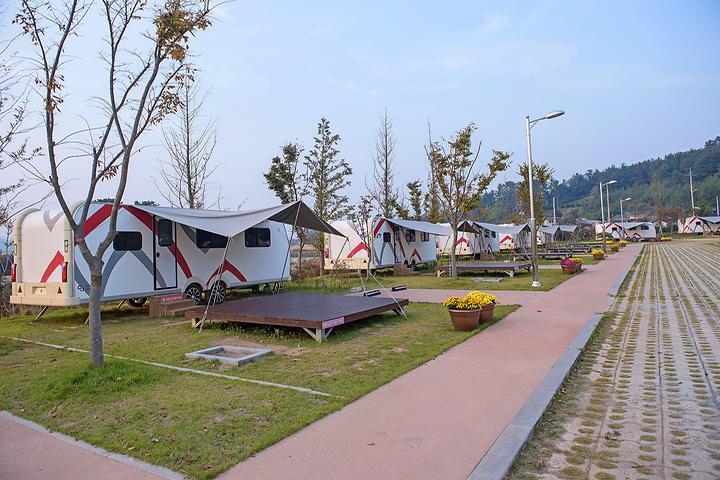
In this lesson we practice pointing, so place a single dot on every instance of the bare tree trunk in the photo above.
(96, 340)
(453, 258)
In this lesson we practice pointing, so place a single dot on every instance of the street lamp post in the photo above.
(602, 215)
(533, 227)
(622, 215)
(602, 207)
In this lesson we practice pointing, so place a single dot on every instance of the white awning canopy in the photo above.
(506, 229)
(421, 226)
(229, 224)
(568, 228)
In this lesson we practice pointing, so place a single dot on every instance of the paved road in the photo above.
(438, 420)
(645, 402)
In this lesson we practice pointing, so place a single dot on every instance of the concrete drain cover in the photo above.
(231, 355)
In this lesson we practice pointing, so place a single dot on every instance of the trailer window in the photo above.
(257, 237)
(205, 239)
(165, 232)
(424, 237)
(386, 237)
(127, 241)
(644, 227)
(409, 236)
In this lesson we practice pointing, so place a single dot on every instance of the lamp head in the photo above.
(554, 114)
(626, 199)
(611, 182)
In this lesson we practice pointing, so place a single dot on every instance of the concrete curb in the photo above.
(139, 464)
(497, 461)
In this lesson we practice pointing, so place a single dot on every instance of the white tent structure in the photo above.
(156, 251)
(700, 225)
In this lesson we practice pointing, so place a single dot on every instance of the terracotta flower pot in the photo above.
(578, 267)
(614, 248)
(464, 320)
(569, 269)
(598, 256)
(487, 312)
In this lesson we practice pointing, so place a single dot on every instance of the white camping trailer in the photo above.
(548, 234)
(350, 250)
(394, 241)
(415, 240)
(700, 225)
(468, 242)
(508, 236)
(636, 231)
(567, 232)
(156, 251)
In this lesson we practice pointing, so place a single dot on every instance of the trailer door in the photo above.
(165, 273)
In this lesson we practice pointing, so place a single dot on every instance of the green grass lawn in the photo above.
(194, 424)
(341, 283)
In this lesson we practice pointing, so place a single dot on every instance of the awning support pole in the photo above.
(213, 291)
(292, 234)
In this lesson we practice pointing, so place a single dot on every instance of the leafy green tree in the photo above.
(452, 164)
(432, 202)
(326, 176)
(542, 174)
(288, 184)
(416, 199)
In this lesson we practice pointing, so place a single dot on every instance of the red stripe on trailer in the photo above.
(146, 219)
(401, 247)
(506, 237)
(228, 267)
(102, 214)
(378, 226)
(56, 261)
(462, 240)
(360, 246)
(180, 260)
(416, 254)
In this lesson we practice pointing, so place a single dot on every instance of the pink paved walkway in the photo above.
(27, 453)
(433, 295)
(438, 420)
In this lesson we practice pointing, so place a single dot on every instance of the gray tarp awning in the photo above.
(229, 224)
(420, 226)
(549, 229)
(568, 228)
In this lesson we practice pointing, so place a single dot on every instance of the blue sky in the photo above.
(637, 80)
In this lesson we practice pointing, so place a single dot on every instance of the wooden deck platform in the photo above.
(505, 267)
(315, 313)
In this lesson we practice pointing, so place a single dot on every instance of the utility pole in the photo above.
(692, 194)
(554, 213)
(717, 205)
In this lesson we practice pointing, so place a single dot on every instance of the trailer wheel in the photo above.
(217, 293)
(194, 292)
(137, 302)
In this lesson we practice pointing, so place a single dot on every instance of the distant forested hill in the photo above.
(659, 189)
